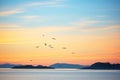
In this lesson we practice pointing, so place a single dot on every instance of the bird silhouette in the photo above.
(37, 46)
(64, 48)
(43, 35)
(50, 46)
(45, 44)
(30, 60)
(54, 38)
(73, 52)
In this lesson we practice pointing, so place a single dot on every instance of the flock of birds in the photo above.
(51, 46)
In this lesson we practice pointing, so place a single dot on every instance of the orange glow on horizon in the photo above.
(19, 47)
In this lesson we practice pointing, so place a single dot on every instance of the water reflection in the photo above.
(58, 74)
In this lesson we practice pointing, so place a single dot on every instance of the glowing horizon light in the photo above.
(59, 31)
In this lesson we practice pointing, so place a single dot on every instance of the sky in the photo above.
(89, 29)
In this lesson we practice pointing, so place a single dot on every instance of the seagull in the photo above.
(43, 35)
(30, 60)
(37, 46)
(64, 48)
(50, 46)
(45, 44)
(54, 38)
(73, 52)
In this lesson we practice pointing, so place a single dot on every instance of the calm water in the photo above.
(57, 74)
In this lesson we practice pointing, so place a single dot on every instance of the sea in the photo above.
(58, 74)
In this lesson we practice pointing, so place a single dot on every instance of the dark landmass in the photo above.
(7, 65)
(31, 67)
(97, 65)
(66, 65)
(104, 66)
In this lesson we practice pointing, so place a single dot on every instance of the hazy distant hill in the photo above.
(31, 67)
(7, 65)
(100, 65)
(65, 65)
(97, 65)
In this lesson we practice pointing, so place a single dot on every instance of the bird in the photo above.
(50, 46)
(37, 46)
(54, 38)
(45, 44)
(30, 60)
(43, 35)
(64, 48)
(73, 52)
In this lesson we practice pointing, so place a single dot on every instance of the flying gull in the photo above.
(73, 52)
(64, 48)
(37, 46)
(54, 38)
(45, 44)
(50, 46)
(43, 35)
(30, 60)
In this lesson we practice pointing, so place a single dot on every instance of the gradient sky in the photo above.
(89, 28)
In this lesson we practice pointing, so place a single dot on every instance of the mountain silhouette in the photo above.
(100, 65)
(31, 67)
(66, 65)
(7, 65)
(97, 65)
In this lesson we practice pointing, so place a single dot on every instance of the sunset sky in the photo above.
(89, 28)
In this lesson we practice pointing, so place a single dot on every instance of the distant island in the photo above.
(31, 67)
(104, 66)
(66, 65)
(97, 65)
(8, 65)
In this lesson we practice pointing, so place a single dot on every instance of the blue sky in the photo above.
(59, 12)
(90, 28)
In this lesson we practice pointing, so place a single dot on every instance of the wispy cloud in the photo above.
(91, 25)
(10, 12)
(9, 26)
(85, 23)
(35, 29)
(50, 3)
(50, 29)
(101, 28)
(111, 9)
(23, 7)
(102, 16)
(32, 17)
(42, 3)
